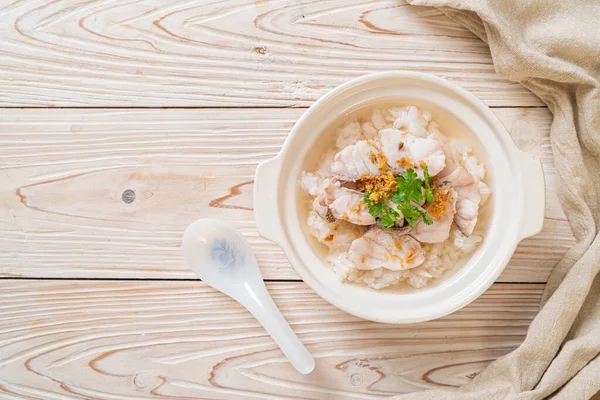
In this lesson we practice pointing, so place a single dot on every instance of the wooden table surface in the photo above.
(177, 102)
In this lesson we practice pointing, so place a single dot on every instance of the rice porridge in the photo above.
(394, 199)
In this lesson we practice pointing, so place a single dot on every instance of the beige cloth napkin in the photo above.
(552, 48)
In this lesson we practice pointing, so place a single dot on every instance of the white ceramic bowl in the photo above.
(516, 178)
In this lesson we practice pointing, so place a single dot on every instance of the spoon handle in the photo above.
(266, 312)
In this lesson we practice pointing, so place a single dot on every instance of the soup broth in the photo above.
(333, 238)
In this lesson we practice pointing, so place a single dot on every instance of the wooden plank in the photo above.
(156, 53)
(63, 174)
(125, 340)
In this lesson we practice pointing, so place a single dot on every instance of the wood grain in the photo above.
(146, 340)
(156, 53)
(107, 192)
(63, 174)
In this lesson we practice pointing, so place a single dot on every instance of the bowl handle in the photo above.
(266, 207)
(534, 193)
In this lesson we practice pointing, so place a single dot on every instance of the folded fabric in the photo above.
(553, 49)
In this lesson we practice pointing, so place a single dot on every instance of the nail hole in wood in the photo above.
(356, 380)
(128, 196)
(260, 50)
(140, 381)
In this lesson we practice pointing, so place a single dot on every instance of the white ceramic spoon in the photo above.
(220, 256)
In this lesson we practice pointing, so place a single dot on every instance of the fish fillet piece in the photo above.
(379, 248)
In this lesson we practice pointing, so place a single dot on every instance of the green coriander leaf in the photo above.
(409, 186)
(410, 174)
(428, 190)
(410, 212)
(429, 195)
(426, 175)
(392, 212)
(386, 214)
(426, 218)
(387, 220)
(398, 196)
(376, 209)
(390, 217)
